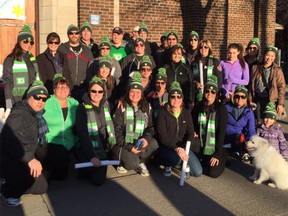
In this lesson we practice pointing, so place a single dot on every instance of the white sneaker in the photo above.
(12, 201)
(121, 169)
(142, 169)
(167, 171)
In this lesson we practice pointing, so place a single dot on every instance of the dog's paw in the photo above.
(257, 182)
(272, 185)
(253, 178)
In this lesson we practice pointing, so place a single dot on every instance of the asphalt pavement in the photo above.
(131, 194)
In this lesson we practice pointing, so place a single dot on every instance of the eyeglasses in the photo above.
(239, 96)
(38, 98)
(193, 39)
(65, 87)
(105, 48)
(171, 39)
(210, 91)
(54, 42)
(73, 33)
(175, 96)
(160, 83)
(205, 47)
(140, 44)
(146, 69)
(252, 48)
(95, 91)
(26, 42)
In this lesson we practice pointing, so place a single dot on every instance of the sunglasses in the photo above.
(210, 91)
(194, 39)
(252, 48)
(146, 69)
(171, 39)
(54, 42)
(175, 96)
(73, 33)
(160, 83)
(239, 96)
(26, 42)
(141, 45)
(95, 91)
(205, 47)
(105, 48)
(38, 98)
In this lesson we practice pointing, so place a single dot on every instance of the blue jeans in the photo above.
(169, 157)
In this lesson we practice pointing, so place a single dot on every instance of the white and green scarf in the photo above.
(207, 132)
(135, 124)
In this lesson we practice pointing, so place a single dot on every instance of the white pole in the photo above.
(184, 165)
(201, 74)
(103, 163)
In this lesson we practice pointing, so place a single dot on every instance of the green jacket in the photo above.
(60, 131)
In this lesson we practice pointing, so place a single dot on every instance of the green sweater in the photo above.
(60, 131)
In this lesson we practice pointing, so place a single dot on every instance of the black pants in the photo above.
(130, 160)
(19, 181)
(55, 159)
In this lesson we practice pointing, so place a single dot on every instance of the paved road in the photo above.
(131, 194)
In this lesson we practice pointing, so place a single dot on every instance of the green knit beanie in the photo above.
(59, 78)
(105, 61)
(96, 80)
(212, 83)
(241, 88)
(161, 75)
(145, 61)
(72, 28)
(86, 26)
(136, 81)
(143, 27)
(25, 34)
(37, 88)
(254, 41)
(175, 88)
(194, 34)
(270, 111)
(271, 48)
(104, 42)
(174, 33)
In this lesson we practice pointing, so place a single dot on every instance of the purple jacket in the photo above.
(233, 75)
(275, 136)
(244, 124)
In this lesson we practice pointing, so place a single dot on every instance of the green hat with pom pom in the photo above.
(136, 81)
(37, 88)
(212, 83)
(143, 27)
(145, 61)
(194, 34)
(254, 41)
(270, 111)
(271, 48)
(105, 61)
(96, 80)
(161, 75)
(86, 26)
(25, 34)
(242, 89)
(175, 88)
(104, 42)
(139, 39)
(174, 33)
(59, 78)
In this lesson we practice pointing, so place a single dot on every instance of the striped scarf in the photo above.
(93, 128)
(134, 126)
(42, 128)
(207, 132)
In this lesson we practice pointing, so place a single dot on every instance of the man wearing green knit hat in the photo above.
(87, 40)
(150, 47)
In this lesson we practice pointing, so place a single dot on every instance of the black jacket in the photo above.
(19, 137)
(173, 132)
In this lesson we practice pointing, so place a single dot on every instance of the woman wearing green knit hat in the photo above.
(267, 84)
(96, 132)
(175, 128)
(210, 121)
(60, 115)
(134, 130)
(20, 68)
(252, 53)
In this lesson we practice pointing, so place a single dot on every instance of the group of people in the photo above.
(132, 101)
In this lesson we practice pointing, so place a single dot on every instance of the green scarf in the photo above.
(93, 128)
(207, 132)
(135, 123)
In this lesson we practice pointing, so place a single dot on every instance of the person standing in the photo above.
(150, 48)
(87, 40)
(23, 133)
(76, 60)
(191, 50)
(20, 68)
(50, 62)
(252, 53)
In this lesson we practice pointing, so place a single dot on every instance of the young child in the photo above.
(272, 131)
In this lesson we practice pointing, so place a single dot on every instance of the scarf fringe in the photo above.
(208, 150)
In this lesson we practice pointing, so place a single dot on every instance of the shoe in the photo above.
(12, 201)
(142, 169)
(187, 174)
(246, 158)
(167, 171)
(121, 169)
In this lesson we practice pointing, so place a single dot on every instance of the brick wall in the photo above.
(221, 21)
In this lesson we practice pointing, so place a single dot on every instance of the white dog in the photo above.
(269, 164)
